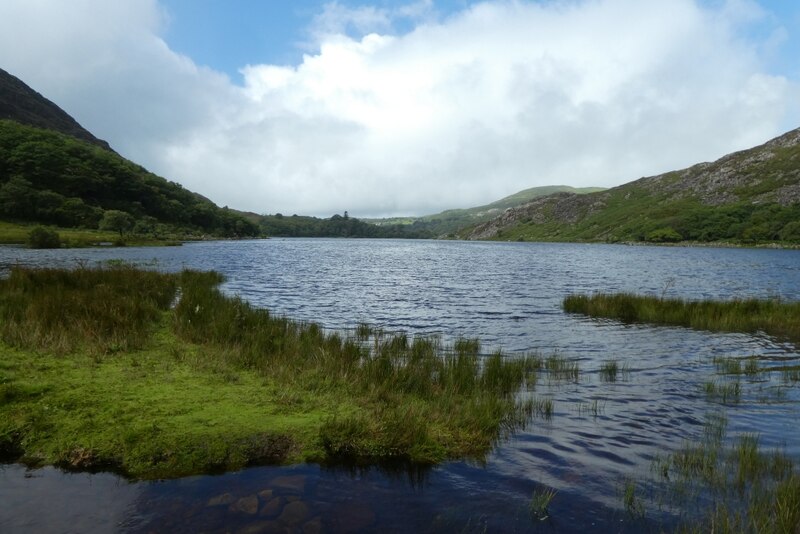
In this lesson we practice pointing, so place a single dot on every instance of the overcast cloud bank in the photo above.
(457, 111)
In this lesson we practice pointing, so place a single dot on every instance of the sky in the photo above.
(384, 108)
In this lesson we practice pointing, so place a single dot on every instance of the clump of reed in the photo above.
(725, 392)
(634, 505)
(560, 368)
(540, 503)
(750, 489)
(771, 316)
(609, 371)
(102, 310)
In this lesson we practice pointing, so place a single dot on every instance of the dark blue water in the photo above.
(508, 295)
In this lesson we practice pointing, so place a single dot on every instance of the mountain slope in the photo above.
(750, 196)
(20, 103)
(61, 174)
(450, 221)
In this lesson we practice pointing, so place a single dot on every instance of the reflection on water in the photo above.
(49, 501)
(601, 433)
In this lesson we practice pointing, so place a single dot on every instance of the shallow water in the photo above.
(508, 295)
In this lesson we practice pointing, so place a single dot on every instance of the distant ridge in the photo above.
(446, 223)
(749, 197)
(20, 103)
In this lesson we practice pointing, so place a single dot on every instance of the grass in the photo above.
(609, 371)
(749, 489)
(17, 234)
(560, 368)
(540, 503)
(633, 504)
(725, 392)
(103, 369)
(773, 317)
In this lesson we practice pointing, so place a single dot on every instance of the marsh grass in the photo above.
(791, 375)
(724, 392)
(595, 408)
(773, 317)
(317, 395)
(561, 369)
(634, 506)
(100, 310)
(540, 503)
(749, 489)
(609, 371)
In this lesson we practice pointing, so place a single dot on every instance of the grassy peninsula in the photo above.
(161, 375)
(773, 317)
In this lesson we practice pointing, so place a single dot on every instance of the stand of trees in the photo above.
(279, 225)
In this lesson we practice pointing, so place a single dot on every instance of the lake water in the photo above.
(508, 295)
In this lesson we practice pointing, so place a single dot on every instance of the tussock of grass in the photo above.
(540, 503)
(609, 371)
(772, 317)
(100, 371)
(751, 490)
(103, 310)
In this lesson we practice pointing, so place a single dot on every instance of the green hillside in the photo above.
(52, 178)
(451, 221)
(749, 197)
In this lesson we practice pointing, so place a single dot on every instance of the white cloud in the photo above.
(457, 112)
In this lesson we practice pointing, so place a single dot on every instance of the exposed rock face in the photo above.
(768, 173)
(20, 103)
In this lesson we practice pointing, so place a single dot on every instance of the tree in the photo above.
(116, 221)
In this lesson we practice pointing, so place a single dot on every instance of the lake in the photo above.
(601, 436)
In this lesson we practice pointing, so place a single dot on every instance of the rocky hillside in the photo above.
(448, 222)
(749, 196)
(20, 103)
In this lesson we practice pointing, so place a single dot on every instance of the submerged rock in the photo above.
(246, 505)
(272, 508)
(295, 513)
(293, 484)
(221, 500)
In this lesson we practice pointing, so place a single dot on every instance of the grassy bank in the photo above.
(100, 370)
(17, 234)
(773, 317)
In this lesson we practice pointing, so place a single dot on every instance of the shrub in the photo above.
(41, 237)
(664, 235)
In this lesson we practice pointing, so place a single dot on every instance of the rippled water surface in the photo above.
(508, 295)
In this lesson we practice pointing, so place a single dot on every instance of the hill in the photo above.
(52, 171)
(748, 197)
(451, 221)
(20, 103)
